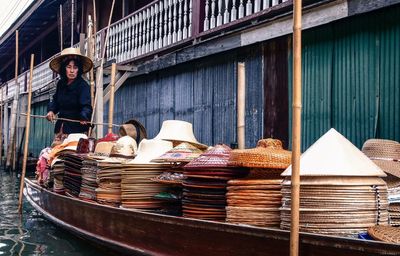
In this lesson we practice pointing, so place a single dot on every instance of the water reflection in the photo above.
(31, 234)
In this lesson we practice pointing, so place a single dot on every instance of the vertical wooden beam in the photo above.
(72, 21)
(276, 102)
(82, 43)
(241, 105)
(13, 124)
(111, 103)
(198, 17)
(61, 29)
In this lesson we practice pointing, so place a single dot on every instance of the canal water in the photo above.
(32, 234)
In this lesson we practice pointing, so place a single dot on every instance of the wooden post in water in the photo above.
(10, 150)
(296, 130)
(111, 103)
(241, 105)
(28, 124)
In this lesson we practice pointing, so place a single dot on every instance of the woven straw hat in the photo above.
(215, 157)
(269, 153)
(124, 147)
(150, 149)
(177, 130)
(334, 155)
(55, 63)
(184, 152)
(385, 154)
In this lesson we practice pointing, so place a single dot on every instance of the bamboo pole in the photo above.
(68, 120)
(111, 102)
(28, 124)
(241, 105)
(296, 130)
(99, 78)
(13, 125)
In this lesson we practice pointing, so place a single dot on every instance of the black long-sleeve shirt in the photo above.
(71, 101)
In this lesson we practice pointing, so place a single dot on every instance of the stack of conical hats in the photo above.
(256, 199)
(341, 191)
(386, 154)
(89, 180)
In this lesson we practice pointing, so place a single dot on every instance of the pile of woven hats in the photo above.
(341, 192)
(256, 199)
(137, 188)
(386, 154)
(204, 186)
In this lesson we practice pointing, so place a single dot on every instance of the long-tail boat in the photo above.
(133, 232)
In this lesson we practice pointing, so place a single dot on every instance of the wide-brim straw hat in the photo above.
(55, 64)
(150, 149)
(269, 153)
(385, 154)
(179, 131)
(134, 129)
(71, 142)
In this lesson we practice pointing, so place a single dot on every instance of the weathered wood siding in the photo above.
(202, 92)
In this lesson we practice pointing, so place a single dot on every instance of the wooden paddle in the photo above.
(28, 123)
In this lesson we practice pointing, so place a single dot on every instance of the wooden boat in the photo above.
(131, 232)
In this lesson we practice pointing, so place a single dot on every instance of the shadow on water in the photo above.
(32, 234)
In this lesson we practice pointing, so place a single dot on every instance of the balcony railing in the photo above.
(155, 27)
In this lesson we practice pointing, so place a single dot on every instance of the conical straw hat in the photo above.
(177, 130)
(334, 155)
(55, 63)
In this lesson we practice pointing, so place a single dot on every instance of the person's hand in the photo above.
(83, 122)
(50, 116)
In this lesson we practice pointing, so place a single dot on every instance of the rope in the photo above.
(70, 120)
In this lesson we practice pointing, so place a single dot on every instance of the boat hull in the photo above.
(139, 233)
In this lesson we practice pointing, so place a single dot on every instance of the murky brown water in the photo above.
(32, 234)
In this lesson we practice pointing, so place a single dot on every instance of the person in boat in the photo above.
(72, 97)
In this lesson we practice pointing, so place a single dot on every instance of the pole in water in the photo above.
(27, 128)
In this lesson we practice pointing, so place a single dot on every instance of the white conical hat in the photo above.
(334, 155)
(177, 130)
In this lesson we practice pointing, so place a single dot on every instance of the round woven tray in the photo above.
(269, 153)
(385, 233)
